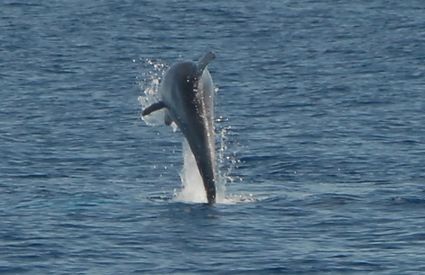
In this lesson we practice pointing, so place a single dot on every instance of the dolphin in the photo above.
(187, 94)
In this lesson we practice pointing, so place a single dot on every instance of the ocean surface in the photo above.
(320, 121)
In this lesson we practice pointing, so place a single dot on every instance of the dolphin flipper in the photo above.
(154, 107)
(203, 62)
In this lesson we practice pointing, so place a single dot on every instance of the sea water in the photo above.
(320, 138)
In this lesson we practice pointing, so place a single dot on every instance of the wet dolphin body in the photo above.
(187, 94)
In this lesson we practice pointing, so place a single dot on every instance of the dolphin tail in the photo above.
(154, 107)
(203, 62)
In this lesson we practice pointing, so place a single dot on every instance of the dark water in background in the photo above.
(326, 109)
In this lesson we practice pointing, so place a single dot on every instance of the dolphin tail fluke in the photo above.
(154, 107)
(203, 62)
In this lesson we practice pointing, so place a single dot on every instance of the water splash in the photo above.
(153, 71)
(192, 185)
(192, 188)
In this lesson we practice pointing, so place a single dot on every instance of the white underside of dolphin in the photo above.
(187, 94)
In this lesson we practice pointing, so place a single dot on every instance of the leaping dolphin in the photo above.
(187, 94)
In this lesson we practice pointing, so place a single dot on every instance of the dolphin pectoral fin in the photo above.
(154, 107)
(203, 62)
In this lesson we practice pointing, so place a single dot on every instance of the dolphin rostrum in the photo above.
(187, 94)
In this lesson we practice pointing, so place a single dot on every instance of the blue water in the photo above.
(323, 107)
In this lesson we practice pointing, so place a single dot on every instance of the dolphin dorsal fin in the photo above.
(203, 62)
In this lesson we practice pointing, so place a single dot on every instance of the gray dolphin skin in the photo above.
(187, 94)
